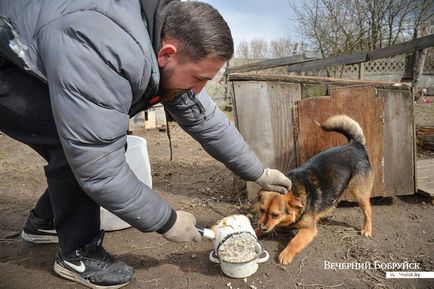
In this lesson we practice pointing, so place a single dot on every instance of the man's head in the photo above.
(196, 42)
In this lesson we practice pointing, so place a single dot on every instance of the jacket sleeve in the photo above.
(90, 94)
(205, 122)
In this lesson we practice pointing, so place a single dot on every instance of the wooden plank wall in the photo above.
(264, 118)
(399, 146)
(359, 103)
(425, 180)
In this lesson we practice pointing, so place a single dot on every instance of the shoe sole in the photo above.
(70, 275)
(39, 239)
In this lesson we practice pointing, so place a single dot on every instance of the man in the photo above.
(73, 74)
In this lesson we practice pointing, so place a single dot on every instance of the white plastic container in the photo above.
(138, 160)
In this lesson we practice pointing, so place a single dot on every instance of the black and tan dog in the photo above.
(317, 186)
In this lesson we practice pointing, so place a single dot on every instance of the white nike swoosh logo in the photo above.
(79, 268)
(47, 231)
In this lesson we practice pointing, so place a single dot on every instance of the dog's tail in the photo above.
(347, 126)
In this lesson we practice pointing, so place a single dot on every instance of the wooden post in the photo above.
(419, 63)
(408, 68)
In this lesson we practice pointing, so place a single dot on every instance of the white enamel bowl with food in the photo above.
(241, 269)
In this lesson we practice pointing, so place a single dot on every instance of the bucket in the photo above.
(138, 160)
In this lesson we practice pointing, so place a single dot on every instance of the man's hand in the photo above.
(274, 180)
(184, 229)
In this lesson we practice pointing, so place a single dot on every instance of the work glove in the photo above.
(274, 180)
(184, 229)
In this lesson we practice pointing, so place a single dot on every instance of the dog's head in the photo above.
(276, 209)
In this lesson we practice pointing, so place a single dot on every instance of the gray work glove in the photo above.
(274, 180)
(184, 229)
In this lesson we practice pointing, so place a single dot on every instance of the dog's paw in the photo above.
(286, 257)
(366, 233)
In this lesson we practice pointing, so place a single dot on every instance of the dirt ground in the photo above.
(193, 181)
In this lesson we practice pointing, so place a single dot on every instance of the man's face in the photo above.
(178, 76)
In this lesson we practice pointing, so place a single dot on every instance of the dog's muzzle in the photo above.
(263, 228)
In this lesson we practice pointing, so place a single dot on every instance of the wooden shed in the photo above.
(277, 116)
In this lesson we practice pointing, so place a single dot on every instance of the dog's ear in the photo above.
(259, 196)
(296, 202)
(259, 199)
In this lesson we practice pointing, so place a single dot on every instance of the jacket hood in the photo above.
(154, 13)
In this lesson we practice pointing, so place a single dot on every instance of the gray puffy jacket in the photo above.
(96, 57)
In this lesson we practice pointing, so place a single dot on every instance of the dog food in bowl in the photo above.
(239, 248)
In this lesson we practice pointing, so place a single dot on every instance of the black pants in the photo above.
(25, 115)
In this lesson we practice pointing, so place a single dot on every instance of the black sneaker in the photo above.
(93, 267)
(38, 230)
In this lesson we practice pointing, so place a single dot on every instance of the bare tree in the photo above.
(311, 26)
(275, 48)
(254, 49)
(258, 49)
(243, 50)
(281, 48)
(334, 27)
(422, 16)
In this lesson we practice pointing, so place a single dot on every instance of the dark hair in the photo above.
(200, 29)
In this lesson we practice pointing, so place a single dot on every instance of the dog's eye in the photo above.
(262, 210)
(275, 216)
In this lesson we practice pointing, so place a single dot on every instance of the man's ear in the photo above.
(166, 53)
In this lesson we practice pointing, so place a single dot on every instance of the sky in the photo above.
(258, 19)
